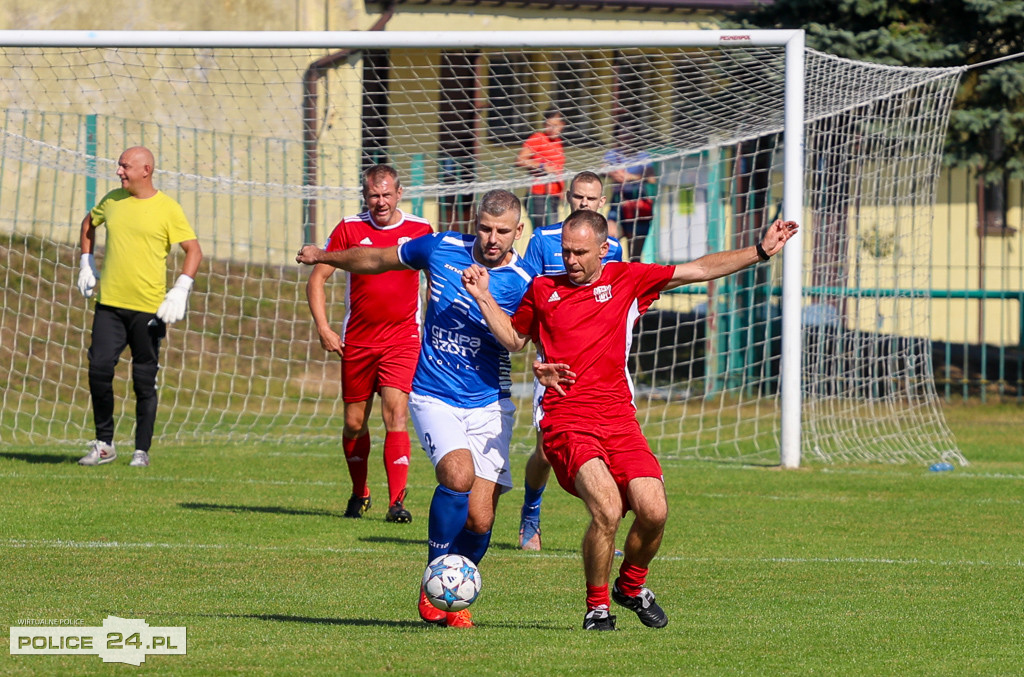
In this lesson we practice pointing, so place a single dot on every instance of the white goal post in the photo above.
(819, 358)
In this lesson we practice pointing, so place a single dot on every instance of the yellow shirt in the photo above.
(139, 237)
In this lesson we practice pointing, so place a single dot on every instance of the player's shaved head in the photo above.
(140, 154)
(135, 169)
(584, 218)
(497, 202)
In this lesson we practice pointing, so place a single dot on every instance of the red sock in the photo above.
(396, 463)
(631, 578)
(356, 452)
(597, 595)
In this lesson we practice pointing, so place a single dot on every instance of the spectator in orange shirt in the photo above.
(543, 157)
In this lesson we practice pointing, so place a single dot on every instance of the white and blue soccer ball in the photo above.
(451, 582)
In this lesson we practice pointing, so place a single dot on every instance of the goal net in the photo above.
(263, 147)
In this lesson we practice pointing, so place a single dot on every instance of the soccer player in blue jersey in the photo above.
(460, 401)
(544, 255)
(544, 251)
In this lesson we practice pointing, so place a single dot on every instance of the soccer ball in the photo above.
(451, 582)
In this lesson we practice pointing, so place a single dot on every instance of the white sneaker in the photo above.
(140, 459)
(99, 453)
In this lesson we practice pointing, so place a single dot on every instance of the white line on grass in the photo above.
(145, 477)
(830, 498)
(957, 474)
(885, 561)
(954, 475)
(101, 545)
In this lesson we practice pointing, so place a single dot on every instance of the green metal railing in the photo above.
(1009, 365)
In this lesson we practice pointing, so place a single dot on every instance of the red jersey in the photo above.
(549, 151)
(590, 328)
(379, 309)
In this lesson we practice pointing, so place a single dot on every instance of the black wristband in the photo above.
(761, 253)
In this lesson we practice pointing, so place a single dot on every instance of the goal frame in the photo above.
(793, 133)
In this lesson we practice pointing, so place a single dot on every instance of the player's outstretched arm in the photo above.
(475, 279)
(720, 264)
(360, 260)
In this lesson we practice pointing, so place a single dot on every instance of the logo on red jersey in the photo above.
(603, 293)
(554, 297)
(366, 241)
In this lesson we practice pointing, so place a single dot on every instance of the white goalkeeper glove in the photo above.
(173, 307)
(88, 275)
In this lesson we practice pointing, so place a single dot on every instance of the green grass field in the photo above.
(853, 570)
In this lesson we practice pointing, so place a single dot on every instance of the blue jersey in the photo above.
(544, 253)
(461, 362)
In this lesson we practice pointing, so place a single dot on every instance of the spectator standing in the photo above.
(543, 157)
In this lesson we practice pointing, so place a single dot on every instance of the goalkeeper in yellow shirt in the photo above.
(134, 305)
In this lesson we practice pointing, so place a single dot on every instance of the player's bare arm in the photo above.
(360, 260)
(193, 257)
(330, 340)
(554, 375)
(720, 264)
(88, 236)
(525, 159)
(475, 279)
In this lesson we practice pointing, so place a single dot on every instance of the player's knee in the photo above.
(101, 372)
(353, 430)
(355, 422)
(396, 421)
(455, 471)
(144, 380)
(606, 515)
(652, 515)
(455, 481)
(654, 520)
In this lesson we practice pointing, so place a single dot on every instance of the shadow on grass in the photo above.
(391, 540)
(38, 458)
(270, 509)
(377, 622)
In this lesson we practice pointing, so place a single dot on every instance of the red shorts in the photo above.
(621, 445)
(364, 371)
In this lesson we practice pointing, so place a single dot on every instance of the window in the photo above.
(508, 101)
(575, 85)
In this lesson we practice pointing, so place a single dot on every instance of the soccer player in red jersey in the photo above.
(583, 323)
(379, 341)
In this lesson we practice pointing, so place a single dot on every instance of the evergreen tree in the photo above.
(987, 125)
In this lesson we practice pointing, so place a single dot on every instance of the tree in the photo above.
(986, 131)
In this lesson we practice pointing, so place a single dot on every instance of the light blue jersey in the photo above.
(544, 253)
(461, 362)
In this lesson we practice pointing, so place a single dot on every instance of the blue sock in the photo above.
(448, 512)
(472, 545)
(531, 502)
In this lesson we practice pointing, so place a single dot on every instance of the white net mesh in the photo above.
(263, 149)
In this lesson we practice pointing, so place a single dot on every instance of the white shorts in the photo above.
(486, 431)
(538, 397)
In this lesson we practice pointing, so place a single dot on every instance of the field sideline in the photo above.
(836, 570)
